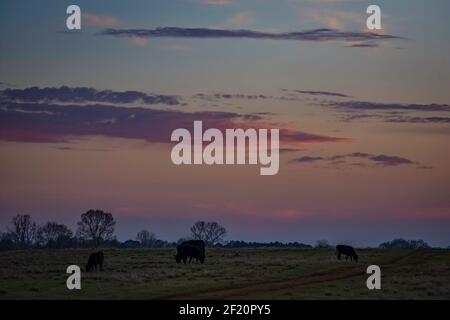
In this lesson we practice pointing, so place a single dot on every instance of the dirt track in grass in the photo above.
(341, 273)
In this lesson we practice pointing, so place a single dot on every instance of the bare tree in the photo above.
(23, 230)
(96, 225)
(215, 233)
(198, 230)
(146, 238)
(210, 232)
(52, 231)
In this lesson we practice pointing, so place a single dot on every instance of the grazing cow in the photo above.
(346, 250)
(196, 243)
(95, 260)
(188, 251)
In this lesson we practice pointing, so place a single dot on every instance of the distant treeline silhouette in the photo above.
(274, 244)
(96, 229)
(405, 244)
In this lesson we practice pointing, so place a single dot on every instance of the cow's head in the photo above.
(356, 257)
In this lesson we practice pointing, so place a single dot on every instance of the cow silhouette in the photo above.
(347, 251)
(95, 261)
(196, 243)
(188, 251)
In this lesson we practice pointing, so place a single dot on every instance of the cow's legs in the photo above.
(351, 259)
(190, 259)
(339, 256)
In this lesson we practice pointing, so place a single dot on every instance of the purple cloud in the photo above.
(290, 150)
(307, 159)
(375, 106)
(320, 93)
(350, 155)
(396, 118)
(406, 119)
(389, 112)
(382, 159)
(364, 45)
(205, 33)
(84, 95)
(386, 160)
(47, 120)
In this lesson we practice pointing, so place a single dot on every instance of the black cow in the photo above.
(188, 251)
(346, 250)
(196, 243)
(95, 260)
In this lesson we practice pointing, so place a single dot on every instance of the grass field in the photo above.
(226, 274)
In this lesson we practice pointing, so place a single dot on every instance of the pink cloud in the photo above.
(239, 20)
(216, 2)
(139, 41)
(337, 20)
(100, 21)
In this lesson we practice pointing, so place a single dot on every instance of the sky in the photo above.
(86, 116)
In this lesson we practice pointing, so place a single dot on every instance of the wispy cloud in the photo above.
(100, 21)
(295, 137)
(364, 45)
(216, 97)
(396, 118)
(374, 159)
(6, 85)
(307, 159)
(390, 112)
(387, 160)
(239, 20)
(289, 150)
(406, 119)
(60, 114)
(288, 95)
(374, 106)
(84, 95)
(139, 41)
(319, 93)
(216, 2)
(321, 35)
(337, 20)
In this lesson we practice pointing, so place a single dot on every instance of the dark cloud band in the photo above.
(205, 33)
(32, 115)
(84, 95)
(319, 93)
(381, 159)
(375, 106)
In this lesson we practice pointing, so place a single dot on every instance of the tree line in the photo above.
(96, 228)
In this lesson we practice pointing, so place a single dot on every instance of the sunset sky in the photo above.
(86, 116)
